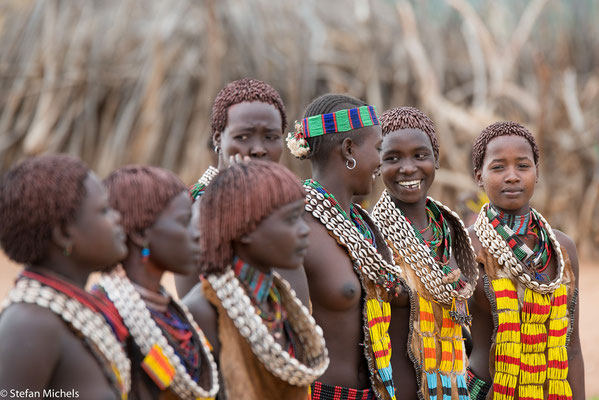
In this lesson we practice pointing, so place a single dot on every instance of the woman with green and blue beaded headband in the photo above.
(431, 244)
(349, 269)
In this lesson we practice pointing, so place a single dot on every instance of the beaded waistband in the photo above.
(477, 388)
(322, 391)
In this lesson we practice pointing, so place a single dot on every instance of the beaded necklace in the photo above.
(82, 312)
(491, 239)
(197, 189)
(441, 236)
(518, 223)
(279, 362)
(161, 362)
(354, 216)
(537, 259)
(436, 279)
(181, 333)
(368, 264)
(261, 288)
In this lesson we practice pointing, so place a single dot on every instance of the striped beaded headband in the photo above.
(335, 122)
(339, 121)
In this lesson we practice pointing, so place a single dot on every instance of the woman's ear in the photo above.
(347, 148)
(61, 236)
(139, 238)
(478, 177)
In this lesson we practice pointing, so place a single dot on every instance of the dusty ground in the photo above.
(589, 319)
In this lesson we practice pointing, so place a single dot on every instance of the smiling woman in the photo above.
(432, 246)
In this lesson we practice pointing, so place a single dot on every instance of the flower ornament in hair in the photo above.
(296, 142)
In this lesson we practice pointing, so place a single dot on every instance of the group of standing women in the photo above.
(290, 290)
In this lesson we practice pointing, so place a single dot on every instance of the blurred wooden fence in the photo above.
(118, 82)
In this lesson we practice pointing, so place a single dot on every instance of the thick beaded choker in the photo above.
(499, 248)
(161, 361)
(417, 255)
(261, 289)
(371, 263)
(275, 359)
(91, 325)
(197, 189)
(510, 226)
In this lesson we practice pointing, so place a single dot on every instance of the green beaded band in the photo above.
(339, 121)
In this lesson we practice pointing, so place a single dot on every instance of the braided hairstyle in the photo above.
(140, 193)
(36, 196)
(236, 201)
(410, 118)
(500, 129)
(320, 146)
(240, 91)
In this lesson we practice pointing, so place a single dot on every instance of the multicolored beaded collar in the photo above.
(335, 122)
(510, 226)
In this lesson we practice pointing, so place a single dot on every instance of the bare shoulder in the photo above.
(474, 239)
(567, 242)
(203, 313)
(30, 339)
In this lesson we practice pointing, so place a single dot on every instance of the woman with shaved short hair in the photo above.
(54, 336)
(525, 329)
(431, 244)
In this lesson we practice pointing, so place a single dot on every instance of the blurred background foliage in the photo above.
(132, 81)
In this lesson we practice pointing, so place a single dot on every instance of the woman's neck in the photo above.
(336, 187)
(63, 271)
(258, 283)
(142, 273)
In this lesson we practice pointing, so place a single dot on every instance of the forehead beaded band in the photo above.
(322, 124)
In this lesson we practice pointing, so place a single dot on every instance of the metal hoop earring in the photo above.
(216, 149)
(353, 165)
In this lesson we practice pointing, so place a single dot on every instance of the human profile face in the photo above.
(253, 129)
(408, 165)
(173, 239)
(98, 239)
(368, 159)
(508, 173)
(280, 240)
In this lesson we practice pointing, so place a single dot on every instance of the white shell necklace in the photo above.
(91, 325)
(398, 229)
(360, 251)
(146, 333)
(244, 315)
(500, 250)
